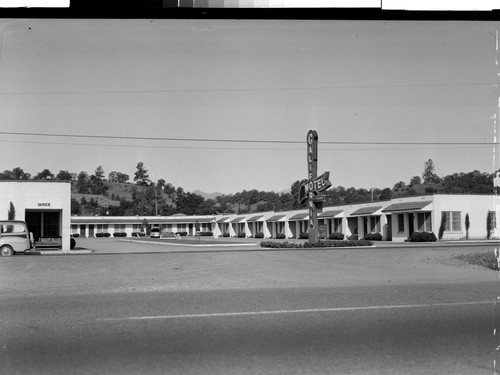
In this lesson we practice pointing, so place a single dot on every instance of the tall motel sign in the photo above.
(313, 186)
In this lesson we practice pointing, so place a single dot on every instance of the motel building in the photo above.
(395, 220)
(44, 205)
(46, 208)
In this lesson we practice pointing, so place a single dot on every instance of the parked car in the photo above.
(15, 238)
(155, 233)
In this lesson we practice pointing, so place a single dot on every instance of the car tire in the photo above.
(6, 251)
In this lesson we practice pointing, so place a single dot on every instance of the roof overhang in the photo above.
(366, 210)
(276, 218)
(408, 206)
(330, 214)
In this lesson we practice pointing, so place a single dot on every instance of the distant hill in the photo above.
(207, 195)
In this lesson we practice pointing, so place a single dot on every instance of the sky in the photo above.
(225, 105)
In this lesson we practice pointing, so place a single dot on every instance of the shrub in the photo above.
(280, 245)
(281, 236)
(337, 243)
(304, 235)
(336, 236)
(373, 237)
(120, 234)
(225, 234)
(182, 234)
(75, 235)
(242, 235)
(206, 234)
(286, 244)
(259, 235)
(423, 237)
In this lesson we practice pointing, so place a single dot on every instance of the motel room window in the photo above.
(401, 222)
(424, 222)
(337, 223)
(375, 224)
(453, 221)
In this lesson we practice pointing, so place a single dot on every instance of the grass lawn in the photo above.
(486, 259)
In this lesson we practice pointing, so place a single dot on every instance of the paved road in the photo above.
(319, 312)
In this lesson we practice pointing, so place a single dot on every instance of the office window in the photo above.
(453, 221)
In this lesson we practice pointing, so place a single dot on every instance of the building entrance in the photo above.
(44, 224)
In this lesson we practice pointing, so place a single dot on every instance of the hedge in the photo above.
(242, 235)
(336, 236)
(281, 236)
(423, 237)
(103, 234)
(205, 234)
(303, 235)
(280, 245)
(259, 235)
(120, 234)
(373, 237)
(225, 234)
(138, 234)
(182, 234)
(334, 243)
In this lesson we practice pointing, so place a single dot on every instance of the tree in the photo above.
(188, 203)
(44, 175)
(6, 175)
(82, 183)
(161, 184)
(11, 213)
(118, 177)
(76, 208)
(63, 176)
(467, 226)
(415, 180)
(18, 174)
(206, 207)
(99, 173)
(428, 175)
(169, 189)
(141, 175)
(442, 227)
(399, 185)
(385, 194)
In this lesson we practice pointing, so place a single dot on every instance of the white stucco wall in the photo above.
(38, 195)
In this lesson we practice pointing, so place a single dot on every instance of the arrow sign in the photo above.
(319, 184)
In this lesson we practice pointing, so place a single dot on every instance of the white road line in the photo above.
(299, 311)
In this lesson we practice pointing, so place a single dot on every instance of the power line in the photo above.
(248, 89)
(339, 143)
(450, 147)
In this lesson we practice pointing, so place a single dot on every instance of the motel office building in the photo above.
(395, 220)
(44, 205)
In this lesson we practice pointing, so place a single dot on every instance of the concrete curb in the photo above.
(60, 252)
(192, 244)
